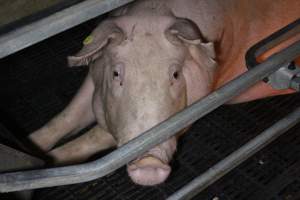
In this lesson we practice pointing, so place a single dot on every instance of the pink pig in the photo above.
(151, 59)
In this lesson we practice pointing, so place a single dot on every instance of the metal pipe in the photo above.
(56, 23)
(85, 172)
(233, 160)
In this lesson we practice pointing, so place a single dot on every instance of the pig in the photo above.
(151, 59)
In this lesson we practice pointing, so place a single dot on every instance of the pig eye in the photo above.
(176, 75)
(118, 73)
(174, 72)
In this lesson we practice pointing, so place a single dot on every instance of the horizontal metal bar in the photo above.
(37, 31)
(92, 170)
(233, 160)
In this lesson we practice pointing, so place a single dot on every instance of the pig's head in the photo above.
(145, 70)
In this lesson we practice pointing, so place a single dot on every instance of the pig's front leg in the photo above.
(76, 116)
(80, 149)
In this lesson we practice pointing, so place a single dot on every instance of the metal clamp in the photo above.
(288, 76)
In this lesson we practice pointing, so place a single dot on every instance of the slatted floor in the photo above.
(36, 83)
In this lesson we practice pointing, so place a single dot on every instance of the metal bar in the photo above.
(92, 170)
(233, 160)
(287, 32)
(56, 23)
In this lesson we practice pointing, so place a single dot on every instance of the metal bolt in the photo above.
(266, 79)
(295, 83)
(261, 162)
(292, 66)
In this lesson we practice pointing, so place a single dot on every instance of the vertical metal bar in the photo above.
(85, 172)
(56, 23)
(233, 160)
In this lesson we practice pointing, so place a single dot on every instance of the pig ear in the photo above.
(199, 64)
(186, 31)
(105, 33)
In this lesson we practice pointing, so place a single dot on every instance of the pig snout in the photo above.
(152, 168)
(148, 171)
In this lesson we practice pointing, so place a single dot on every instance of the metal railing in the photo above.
(24, 180)
(89, 171)
(234, 159)
(35, 32)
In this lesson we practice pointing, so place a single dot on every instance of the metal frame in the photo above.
(287, 76)
(40, 30)
(236, 158)
(271, 41)
(89, 171)
(79, 13)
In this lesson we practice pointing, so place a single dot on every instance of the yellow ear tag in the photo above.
(88, 40)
